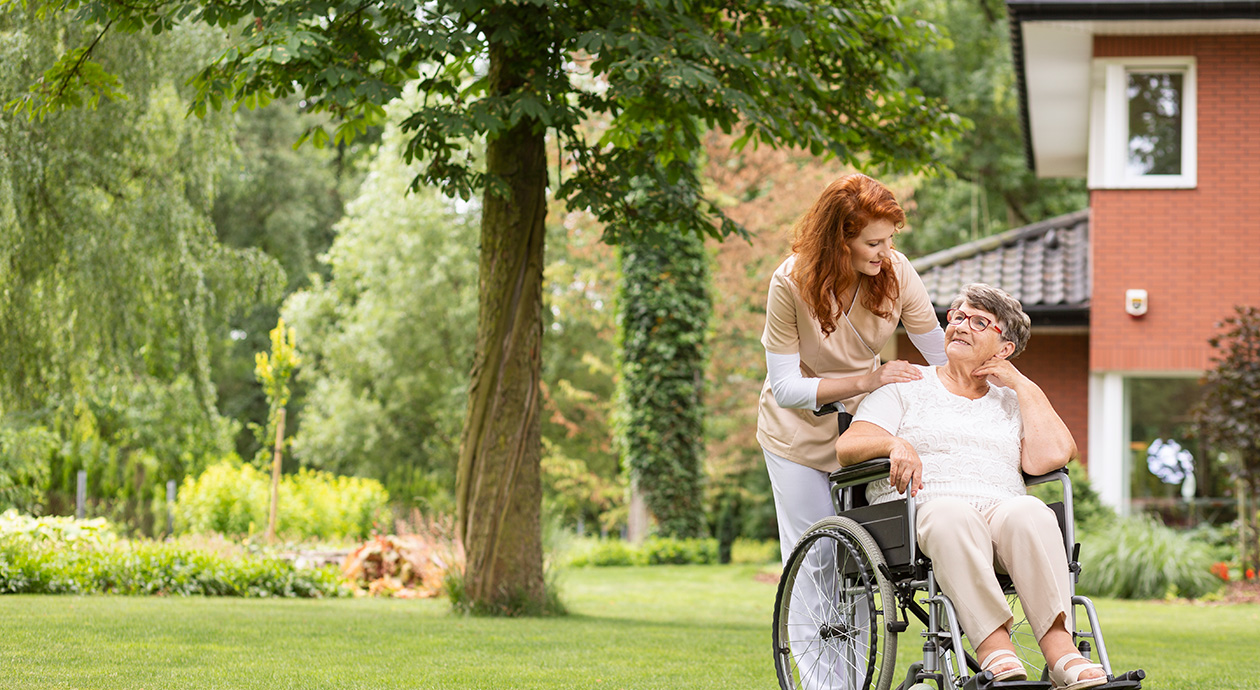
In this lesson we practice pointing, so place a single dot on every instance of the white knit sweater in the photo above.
(970, 448)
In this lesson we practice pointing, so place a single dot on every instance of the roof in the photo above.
(1082, 19)
(1044, 265)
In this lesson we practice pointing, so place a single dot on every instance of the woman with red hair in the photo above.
(833, 304)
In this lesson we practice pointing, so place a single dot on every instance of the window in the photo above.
(1171, 474)
(1142, 129)
(1155, 115)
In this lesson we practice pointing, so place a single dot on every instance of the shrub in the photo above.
(234, 499)
(1091, 514)
(653, 551)
(61, 531)
(661, 551)
(607, 552)
(227, 498)
(328, 506)
(25, 455)
(755, 552)
(30, 566)
(1139, 558)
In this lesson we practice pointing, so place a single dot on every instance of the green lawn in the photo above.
(659, 627)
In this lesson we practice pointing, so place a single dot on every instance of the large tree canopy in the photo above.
(655, 74)
(818, 75)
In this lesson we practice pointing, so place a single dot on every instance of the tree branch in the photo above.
(65, 82)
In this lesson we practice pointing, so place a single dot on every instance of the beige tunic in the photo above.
(797, 434)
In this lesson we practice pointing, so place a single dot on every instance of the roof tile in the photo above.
(1045, 264)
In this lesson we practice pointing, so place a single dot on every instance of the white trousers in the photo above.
(802, 496)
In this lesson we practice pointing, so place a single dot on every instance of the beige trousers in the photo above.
(1021, 537)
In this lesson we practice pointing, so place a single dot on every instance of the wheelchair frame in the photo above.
(882, 542)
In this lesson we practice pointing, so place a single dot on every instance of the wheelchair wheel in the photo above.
(832, 611)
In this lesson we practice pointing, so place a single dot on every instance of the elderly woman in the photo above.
(958, 438)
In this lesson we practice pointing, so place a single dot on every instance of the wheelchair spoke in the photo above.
(1024, 640)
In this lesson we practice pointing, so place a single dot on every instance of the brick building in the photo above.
(1157, 105)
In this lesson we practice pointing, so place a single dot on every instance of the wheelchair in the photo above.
(836, 614)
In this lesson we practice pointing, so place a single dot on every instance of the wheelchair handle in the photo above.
(843, 419)
(828, 409)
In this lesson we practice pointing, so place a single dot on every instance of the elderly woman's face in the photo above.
(965, 342)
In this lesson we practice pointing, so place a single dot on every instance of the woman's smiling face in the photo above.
(872, 247)
(965, 343)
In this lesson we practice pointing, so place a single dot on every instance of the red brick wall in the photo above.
(1057, 363)
(1195, 251)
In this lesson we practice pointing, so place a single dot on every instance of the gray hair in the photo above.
(1015, 324)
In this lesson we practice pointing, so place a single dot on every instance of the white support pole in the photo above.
(170, 507)
(80, 498)
(1109, 439)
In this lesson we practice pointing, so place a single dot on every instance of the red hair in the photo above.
(824, 264)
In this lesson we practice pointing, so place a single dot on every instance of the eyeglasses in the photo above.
(978, 323)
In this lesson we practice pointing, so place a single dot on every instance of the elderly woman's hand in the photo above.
(907, 468)
(1001, 372)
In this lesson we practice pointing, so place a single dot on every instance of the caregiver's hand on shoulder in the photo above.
(897, 371)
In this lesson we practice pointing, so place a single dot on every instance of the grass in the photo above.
(661, 627)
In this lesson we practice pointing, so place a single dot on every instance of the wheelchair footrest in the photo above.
(984, 681)
(1131, 680)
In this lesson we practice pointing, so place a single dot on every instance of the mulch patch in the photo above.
(1242, 593)
(768, 578)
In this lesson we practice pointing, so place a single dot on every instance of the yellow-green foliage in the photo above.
(232, 498)
(55, 530)
(274, 370)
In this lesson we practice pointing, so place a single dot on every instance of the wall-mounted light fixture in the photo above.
(1135, 302)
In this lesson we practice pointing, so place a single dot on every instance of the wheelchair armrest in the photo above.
(1052, 475)
(861, 473)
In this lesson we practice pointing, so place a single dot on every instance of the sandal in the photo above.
(1065, 678)
(1016, 673)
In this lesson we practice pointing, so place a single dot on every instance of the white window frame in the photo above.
(1109, 124)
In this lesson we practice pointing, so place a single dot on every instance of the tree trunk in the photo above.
(498, 484)
(273, 512)
(1249, 523)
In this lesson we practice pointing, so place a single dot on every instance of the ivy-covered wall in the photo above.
(663, 317)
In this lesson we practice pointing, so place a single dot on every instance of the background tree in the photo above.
(987, 186)
(115, 284)
(808, 74)
(1228, 417)
(663, 319)
(583, 484)
(388, 334)
(274, 369)
(284, 202)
